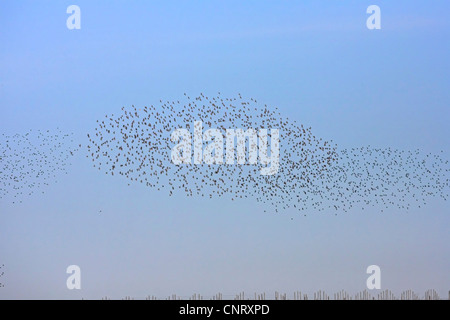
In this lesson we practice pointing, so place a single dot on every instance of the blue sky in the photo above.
(314, 60)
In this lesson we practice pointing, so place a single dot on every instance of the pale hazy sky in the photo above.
(314, 60)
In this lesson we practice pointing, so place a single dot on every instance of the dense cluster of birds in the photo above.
(32, 160)
(313, 173)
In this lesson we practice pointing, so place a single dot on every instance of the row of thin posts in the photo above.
(173, 297)
(430, 294)
(363, 295)
(321, 295)
(298, 296)
(260, 296)
(386, 295)
(196, 296)
(342, 295)
(409, 295)
(218, 296)
(280, 296)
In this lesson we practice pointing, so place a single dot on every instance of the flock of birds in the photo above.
(385, 178)
(32, 161)
(313, 173)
